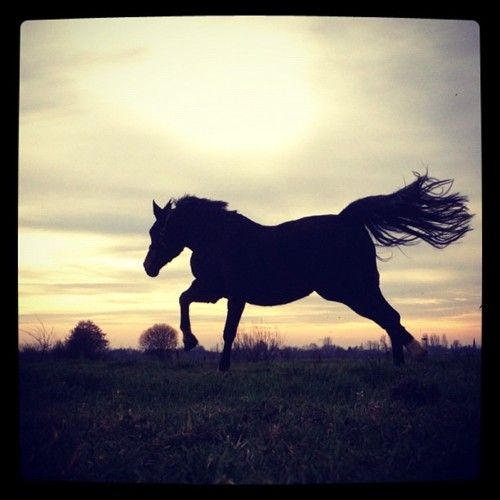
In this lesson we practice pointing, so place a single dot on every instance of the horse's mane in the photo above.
(200, 204)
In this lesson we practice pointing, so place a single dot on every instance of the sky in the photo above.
(282, 117)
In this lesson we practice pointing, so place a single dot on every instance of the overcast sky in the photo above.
(281, 117)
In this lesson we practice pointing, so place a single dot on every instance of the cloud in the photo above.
(91, 221)
(89, 288)
(50, 76)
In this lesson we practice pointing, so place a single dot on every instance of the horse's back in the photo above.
(328, 235)
(323, 246)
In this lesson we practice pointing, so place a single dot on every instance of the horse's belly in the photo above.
(273, 294)
(275, 300)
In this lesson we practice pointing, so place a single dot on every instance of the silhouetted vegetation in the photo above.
(257, 344)
(42, 340)
(86, 340)
(159, 340)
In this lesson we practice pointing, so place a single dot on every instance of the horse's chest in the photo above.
(204, 265)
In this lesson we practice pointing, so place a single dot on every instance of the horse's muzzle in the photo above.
(151, 272)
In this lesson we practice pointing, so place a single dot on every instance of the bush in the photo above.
(29, 352)
(59, 350)
(86, 340)
(160, 340)
(260, 344)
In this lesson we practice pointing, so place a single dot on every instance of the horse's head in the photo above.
(166, 239)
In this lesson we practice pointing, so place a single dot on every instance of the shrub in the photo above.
(29, 352)
(59, 350)
(159, 339)
(260, 344)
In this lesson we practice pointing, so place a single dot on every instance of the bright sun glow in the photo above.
(235, 86)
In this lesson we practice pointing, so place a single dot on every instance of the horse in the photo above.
(238, 259)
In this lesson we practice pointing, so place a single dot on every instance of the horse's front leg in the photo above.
(234, 311)
(197, 292)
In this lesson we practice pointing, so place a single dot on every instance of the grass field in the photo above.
(276, 422)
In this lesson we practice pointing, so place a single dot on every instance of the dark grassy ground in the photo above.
(293, 422)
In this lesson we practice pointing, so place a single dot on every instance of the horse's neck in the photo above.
(209, 229)
(204, 230)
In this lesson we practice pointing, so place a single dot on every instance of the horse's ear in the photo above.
(168, 206)
(157, 210)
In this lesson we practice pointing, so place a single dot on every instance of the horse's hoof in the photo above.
(190, 343)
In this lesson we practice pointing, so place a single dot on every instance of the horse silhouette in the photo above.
(333, 255)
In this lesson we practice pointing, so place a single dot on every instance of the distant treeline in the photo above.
(256, 344)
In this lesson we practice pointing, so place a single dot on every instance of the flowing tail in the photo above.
(422, 210)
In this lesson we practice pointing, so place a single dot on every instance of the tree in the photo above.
(159, 339)
(86, 340)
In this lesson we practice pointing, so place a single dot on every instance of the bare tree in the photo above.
(327, 343)
(42, 337)
(434, 340)
(383, 343)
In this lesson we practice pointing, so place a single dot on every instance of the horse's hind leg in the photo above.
(372, 304)
(376, 308)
